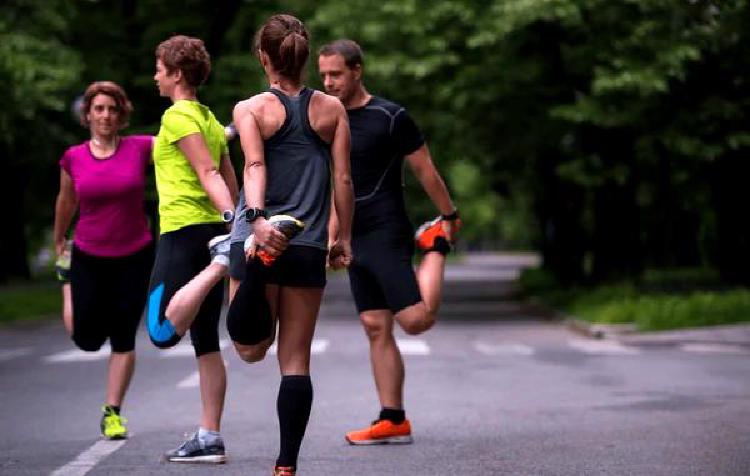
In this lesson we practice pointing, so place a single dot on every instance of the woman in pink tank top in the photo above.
(112, 253)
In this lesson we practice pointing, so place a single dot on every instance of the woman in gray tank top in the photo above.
(294, 139)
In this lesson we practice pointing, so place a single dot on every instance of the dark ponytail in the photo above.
(284, 39)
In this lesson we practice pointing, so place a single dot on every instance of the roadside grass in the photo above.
(29, 301)
(663, 299)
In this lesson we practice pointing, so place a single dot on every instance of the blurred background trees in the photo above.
(611, 136)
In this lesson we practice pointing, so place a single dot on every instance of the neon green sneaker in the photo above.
(113, 425)
(62, 264)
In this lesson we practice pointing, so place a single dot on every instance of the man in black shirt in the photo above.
(383, 281)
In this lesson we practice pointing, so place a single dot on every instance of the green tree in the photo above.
(37, 70)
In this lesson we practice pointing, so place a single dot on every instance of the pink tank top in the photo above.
(111, 219)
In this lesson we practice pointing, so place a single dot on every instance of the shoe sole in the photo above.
(391, 440)
(212, 459)
(217, 239)
(115, 437)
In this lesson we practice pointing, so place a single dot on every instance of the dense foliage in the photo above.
(612, 136)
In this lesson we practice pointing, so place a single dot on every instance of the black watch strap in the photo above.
(451, 216)
(253, 214)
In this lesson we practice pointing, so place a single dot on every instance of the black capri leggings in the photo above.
(108, 298)
(180, 255)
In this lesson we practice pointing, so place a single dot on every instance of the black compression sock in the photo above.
(394, 415)
(293, 406)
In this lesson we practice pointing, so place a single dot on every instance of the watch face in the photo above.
(253, 213)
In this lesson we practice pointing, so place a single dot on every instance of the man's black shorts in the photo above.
(381, 275)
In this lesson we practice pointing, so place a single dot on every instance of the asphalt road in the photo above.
(493, 389)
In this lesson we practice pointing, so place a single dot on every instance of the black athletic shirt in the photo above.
(298, 171)
(382, 133)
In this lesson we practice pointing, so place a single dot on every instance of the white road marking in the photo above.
(185, 349)
(602, 347)
(77, 355)
(318, 346)
(85, 461)
(487, 348)
(714, 349)
(194, 379)
(11, 354)
(191, 381)
(413, 347)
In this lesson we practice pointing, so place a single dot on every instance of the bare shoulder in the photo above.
(254, 104)
(328, 104)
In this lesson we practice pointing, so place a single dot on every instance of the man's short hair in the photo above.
(348, 49)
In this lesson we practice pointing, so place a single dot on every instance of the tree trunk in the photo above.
(13, 250)
(731, 196)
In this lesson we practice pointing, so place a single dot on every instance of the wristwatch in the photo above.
(227, 216)
(253, 214)
(451, 216)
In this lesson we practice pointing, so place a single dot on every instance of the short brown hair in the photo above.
(349, 49)
(112, 90)
(188, 55)
(286, 42)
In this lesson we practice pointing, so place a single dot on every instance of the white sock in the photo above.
(221, 259)
(208, 437)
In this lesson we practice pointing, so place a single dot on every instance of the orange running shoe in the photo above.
(286, 224)
(284, 471)
(382, 432)
(431, 236)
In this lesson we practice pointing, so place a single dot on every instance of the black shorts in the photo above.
(381, 275)
(180, 256)
(108, 298)
(249, 319)
(298, 266)
(237, 261)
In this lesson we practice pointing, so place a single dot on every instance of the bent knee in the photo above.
(167, 343)
(251, 353)
(88, 344)
(375, 326)
(416, 320)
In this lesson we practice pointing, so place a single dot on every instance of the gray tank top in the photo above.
(240, 227)
(298, 171)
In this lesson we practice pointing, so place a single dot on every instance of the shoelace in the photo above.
(114, 419)
(191, 442)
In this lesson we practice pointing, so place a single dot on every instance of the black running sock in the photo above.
(440, 245)
(115, 410)
(293, 405)
(394, 415)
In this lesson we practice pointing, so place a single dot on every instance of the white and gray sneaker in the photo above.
(194, 450)
(219, 247)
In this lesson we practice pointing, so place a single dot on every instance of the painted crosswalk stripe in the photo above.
(413, 347)
(318, 347)
(191, 381)
(185, 349)
(11, 354)
(77, 355)
(714, 349)
(602, 347)
(501, 348)
(85, 461)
